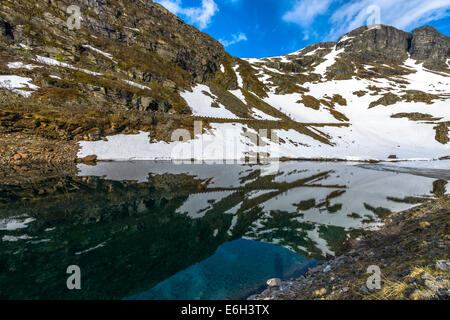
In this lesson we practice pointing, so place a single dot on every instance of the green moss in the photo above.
(59, 57)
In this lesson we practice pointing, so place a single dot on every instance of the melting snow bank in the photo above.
(204, 103)
(236, 141)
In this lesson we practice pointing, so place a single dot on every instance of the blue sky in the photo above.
(262, 28)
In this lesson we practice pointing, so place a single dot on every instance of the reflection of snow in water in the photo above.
(15, 223)
(15, 239)
(321, 244)
(197, 205)
(344, 195)
(258, 193)
(101, 245)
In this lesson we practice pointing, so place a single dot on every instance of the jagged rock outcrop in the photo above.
(378, 42)
(393, 45)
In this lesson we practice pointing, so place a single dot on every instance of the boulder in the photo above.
(443, 265)
(275, 282)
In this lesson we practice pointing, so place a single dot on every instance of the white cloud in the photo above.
(235, 39)
(305, 11)
(402, 14)
(344, 17)
(200, 16)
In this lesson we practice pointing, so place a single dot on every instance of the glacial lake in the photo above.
(162, 230)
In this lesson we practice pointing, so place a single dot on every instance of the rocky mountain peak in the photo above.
(377, 42)
(386, 42)
(430, 45)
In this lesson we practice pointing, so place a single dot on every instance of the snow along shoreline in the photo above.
(233, 142)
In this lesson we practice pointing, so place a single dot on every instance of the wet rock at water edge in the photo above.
(88, 159)
(443, 265)
(276, 282)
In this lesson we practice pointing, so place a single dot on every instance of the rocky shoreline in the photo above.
(27, 158)
(411, 251)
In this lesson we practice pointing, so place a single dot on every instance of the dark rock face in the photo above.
(382, 42)
(193, 50)
(428, 43)
(6, 29)
(393, 45)
(149, 45)
(431, 46)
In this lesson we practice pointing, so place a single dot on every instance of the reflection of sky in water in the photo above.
(235, 271)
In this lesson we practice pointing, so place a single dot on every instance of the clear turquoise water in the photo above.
(238, 269)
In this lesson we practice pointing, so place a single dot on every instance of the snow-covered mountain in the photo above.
(136, 82)
(369, 96)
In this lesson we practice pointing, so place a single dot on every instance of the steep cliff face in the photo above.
(430, 46)
(387, 43)
(379, 42)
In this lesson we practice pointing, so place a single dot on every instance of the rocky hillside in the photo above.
(136, 72)
(137, 41)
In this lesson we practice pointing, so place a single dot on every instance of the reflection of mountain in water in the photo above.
(307, 207)
(130, 226)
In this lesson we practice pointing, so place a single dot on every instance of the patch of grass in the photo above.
(419, 96)
(57, 94)
(442, 133)
(387, 100)
(310, 102)
(415, 116)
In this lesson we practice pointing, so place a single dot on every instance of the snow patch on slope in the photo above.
(17, 85)
(258, 114)
(137, 85)
(107, 55)
(239, 78)
(21, 65)
(330, 60)
(201, 100)
(56, 63)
